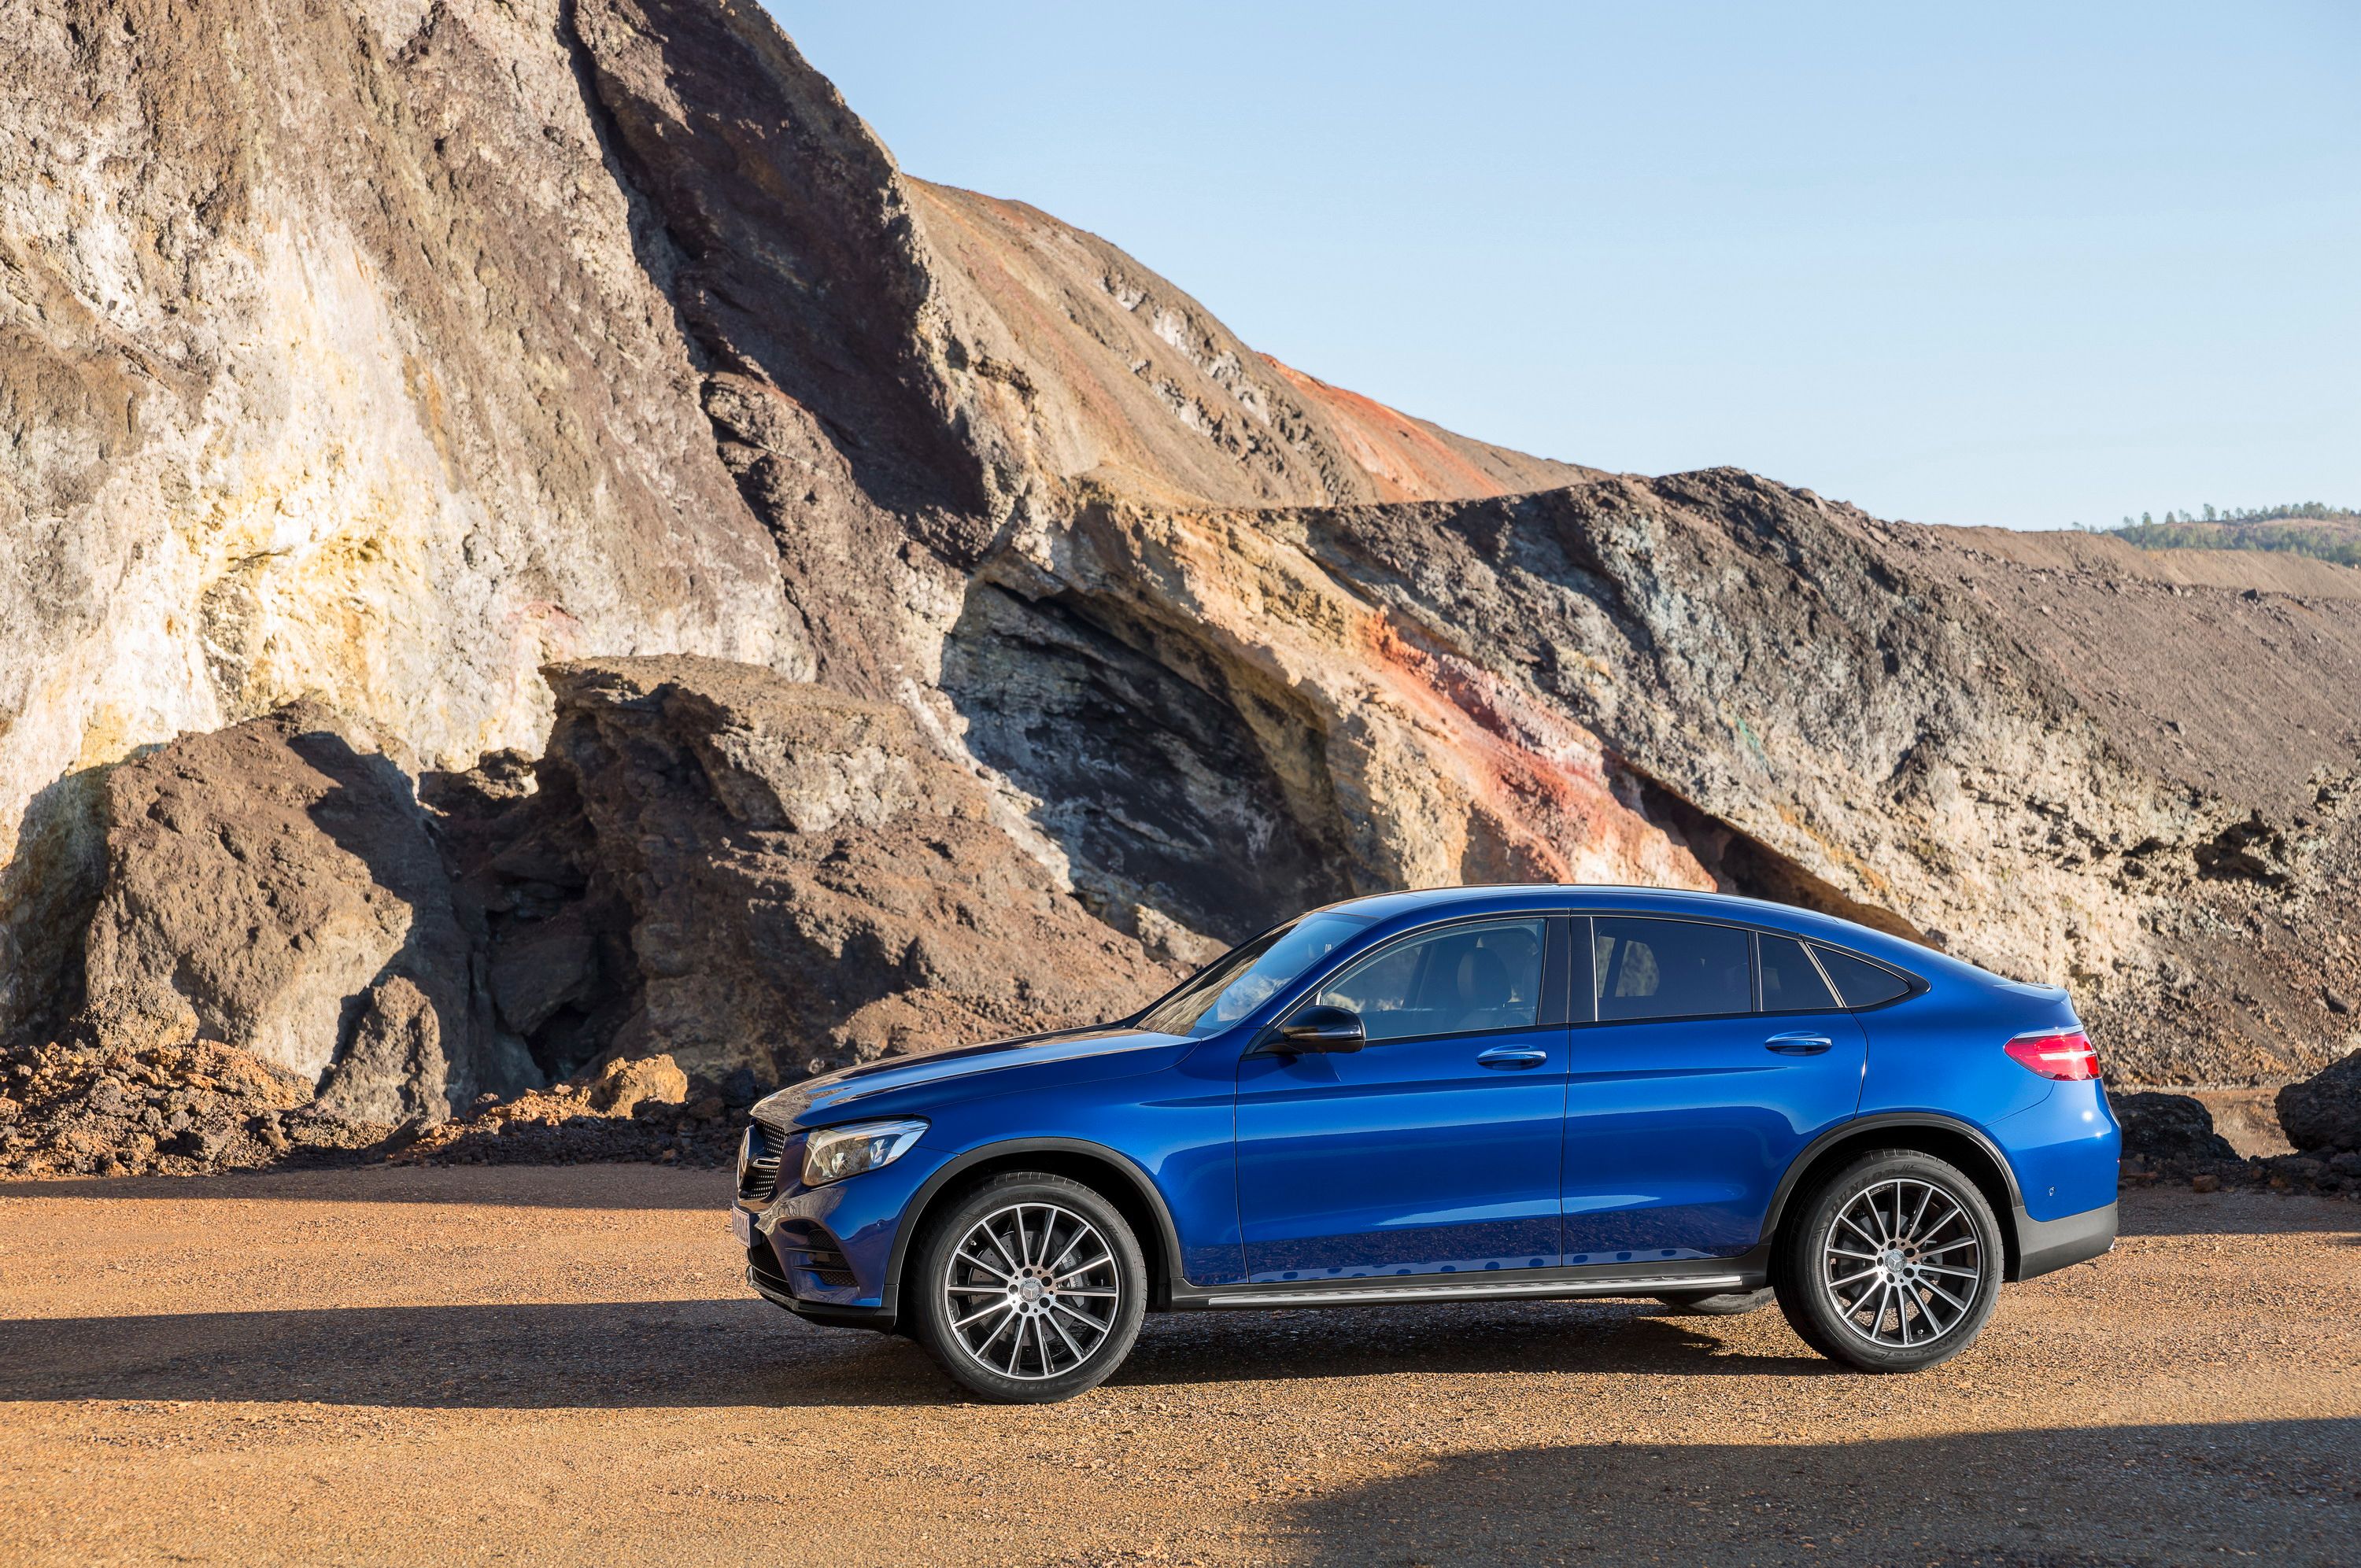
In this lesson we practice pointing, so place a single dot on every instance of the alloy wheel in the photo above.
(1904, 1264)
(1032, 1292)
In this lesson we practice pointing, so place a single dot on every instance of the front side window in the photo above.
(1670, 969)
(1478, 976)
(1243, 978)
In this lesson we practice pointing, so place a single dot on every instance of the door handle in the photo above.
(1511, 1056)
(1798, 1045)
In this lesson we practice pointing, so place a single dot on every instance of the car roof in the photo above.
(1597, 896)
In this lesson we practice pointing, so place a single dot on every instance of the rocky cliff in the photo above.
(370, 356)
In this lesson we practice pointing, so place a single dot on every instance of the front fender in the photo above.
(1011, 1153)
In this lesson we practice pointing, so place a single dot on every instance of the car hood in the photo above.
(836, 1096)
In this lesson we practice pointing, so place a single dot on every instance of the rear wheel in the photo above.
(1892, 1264)
(1030, 1289)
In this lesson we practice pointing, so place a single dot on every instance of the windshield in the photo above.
(1243, 978)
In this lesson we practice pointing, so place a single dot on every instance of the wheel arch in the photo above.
(1110, 1174)
(1960, 1143)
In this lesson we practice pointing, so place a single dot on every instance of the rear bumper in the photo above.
(2043, 1245)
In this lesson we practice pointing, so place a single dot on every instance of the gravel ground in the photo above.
(532, 1364)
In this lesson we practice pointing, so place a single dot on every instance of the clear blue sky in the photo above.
(2023, 265)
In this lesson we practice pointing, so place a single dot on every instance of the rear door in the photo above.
(1711, 1055)
(1434, 1148)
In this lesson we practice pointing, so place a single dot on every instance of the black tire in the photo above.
(1052, 1335)
(1719, 1304)
(1936, 1283)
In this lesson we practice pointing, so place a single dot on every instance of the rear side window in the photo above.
(1670, 969)
(1860, 982)
(1791, 983)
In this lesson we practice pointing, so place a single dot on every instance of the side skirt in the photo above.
(1748, 1271)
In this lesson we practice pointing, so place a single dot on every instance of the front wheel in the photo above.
(1030, 1289)
(1890, 1265)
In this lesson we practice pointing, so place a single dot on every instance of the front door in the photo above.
(1434, 1148)
(1695, 1090)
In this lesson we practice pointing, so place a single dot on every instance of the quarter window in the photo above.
(1670, 969)
(1859, 981)
(1480, 977)
(1790, 982)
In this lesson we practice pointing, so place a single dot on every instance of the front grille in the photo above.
(758, 1162)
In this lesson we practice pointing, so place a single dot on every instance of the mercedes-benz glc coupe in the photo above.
(1474, 1094)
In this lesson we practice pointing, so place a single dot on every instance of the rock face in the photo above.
(775, 877)
(953, 620)
(1707, 680)
(336, 362)
(273, 886)
(2322, 1115)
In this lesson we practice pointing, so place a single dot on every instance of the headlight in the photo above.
(834, 1153)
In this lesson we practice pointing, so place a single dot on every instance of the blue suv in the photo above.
(1474, 1094)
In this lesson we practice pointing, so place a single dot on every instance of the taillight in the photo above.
(2068, 1055)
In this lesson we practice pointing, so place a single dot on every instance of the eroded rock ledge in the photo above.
(749, 875)
(743, 871)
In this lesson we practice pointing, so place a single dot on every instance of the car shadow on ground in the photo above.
(746, 1352)
(492, 1355)
(1521, 1337)
(2119, 1496)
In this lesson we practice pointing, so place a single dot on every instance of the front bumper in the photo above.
(826, 1253)
(2044, 1245)
(772, 1287)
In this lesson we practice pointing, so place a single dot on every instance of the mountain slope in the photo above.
(378, 355)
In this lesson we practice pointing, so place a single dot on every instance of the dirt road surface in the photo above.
(537, 1366)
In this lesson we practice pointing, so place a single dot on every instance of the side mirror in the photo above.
(1322, 1029)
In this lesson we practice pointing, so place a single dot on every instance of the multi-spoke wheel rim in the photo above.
(1032, 1292)
(1904, 1264)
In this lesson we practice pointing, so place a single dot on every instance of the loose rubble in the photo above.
(632, 1112)
(2170, 1138)
(169, 1110)
(207, 1108)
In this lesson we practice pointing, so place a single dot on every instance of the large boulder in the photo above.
(746, 872)
(2168, 1128)
(624, 1085)
(273, 886)
(2324, 1112)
